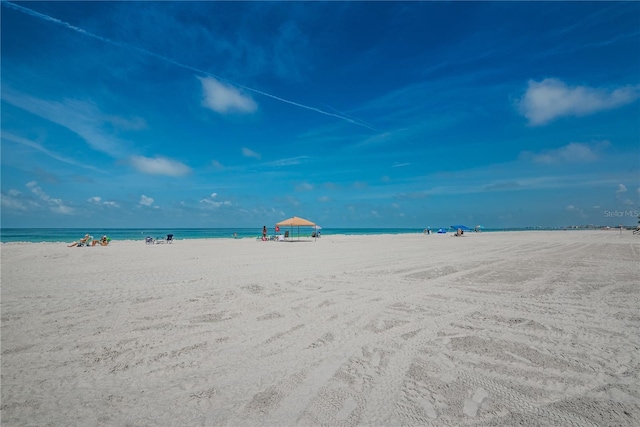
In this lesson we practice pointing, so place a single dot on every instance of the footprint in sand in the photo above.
(471, 405)
(428, 407)
(347, 409)
(375, 360)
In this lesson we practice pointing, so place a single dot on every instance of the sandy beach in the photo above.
(514, 328)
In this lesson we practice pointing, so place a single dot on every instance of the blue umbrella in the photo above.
(461, 227)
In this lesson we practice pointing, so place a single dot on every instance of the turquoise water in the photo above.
(36, 235)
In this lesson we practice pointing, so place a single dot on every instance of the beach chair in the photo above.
(149, 240)
(286, 234)
(637, 230)
(169, 238)
(85, 242)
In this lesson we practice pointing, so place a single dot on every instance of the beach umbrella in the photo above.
(461, 227)
(296, 221)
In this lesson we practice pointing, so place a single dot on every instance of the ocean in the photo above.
(37, 235)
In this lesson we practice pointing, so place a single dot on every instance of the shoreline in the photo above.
(327, 235)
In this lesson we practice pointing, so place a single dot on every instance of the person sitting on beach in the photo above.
(104, 241)
(81, 242)
(459, 232)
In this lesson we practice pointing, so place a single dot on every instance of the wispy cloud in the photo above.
(503, 186)
(28, 143)
(159, 166)
(82, 118)
(224, 98)
(127, 124)
(291, 161)
(10, 202)
(247, 152)
(213, 202)
(217, 165)
(551, 98)
(575, 152)
(55, 205)
(305, 186)
(97, 200)
(578, 211)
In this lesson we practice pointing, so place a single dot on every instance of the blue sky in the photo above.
(364, 114)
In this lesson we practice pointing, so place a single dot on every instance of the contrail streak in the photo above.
(176, 63)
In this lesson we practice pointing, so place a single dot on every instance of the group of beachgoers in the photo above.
(265, 237)
(459, 231)
(279, 236)
(88, 240)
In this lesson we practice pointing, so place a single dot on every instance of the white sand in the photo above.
(530, 328)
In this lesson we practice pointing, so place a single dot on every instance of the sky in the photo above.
(349, 114)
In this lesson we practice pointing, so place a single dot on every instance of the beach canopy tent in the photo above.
(442, 231)
(461, 227)
(295, 221)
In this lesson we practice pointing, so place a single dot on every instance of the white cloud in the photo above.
(28, 143)
(212, 202)
(305, 186)
(146, 201)
(215, 204)
(621, 189)
(291, 161)
(126, 124)
(247, 152)
(159, 166)
(550, 99)
(15, 193)
(96, 200)
(55, 205)
(224, 98)
(324, 199)
(574, 152)
(573, 209)
(10, 201)
(83, 118)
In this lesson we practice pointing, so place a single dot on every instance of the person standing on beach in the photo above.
(264, 232)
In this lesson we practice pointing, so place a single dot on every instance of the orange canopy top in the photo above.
(296, 221)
